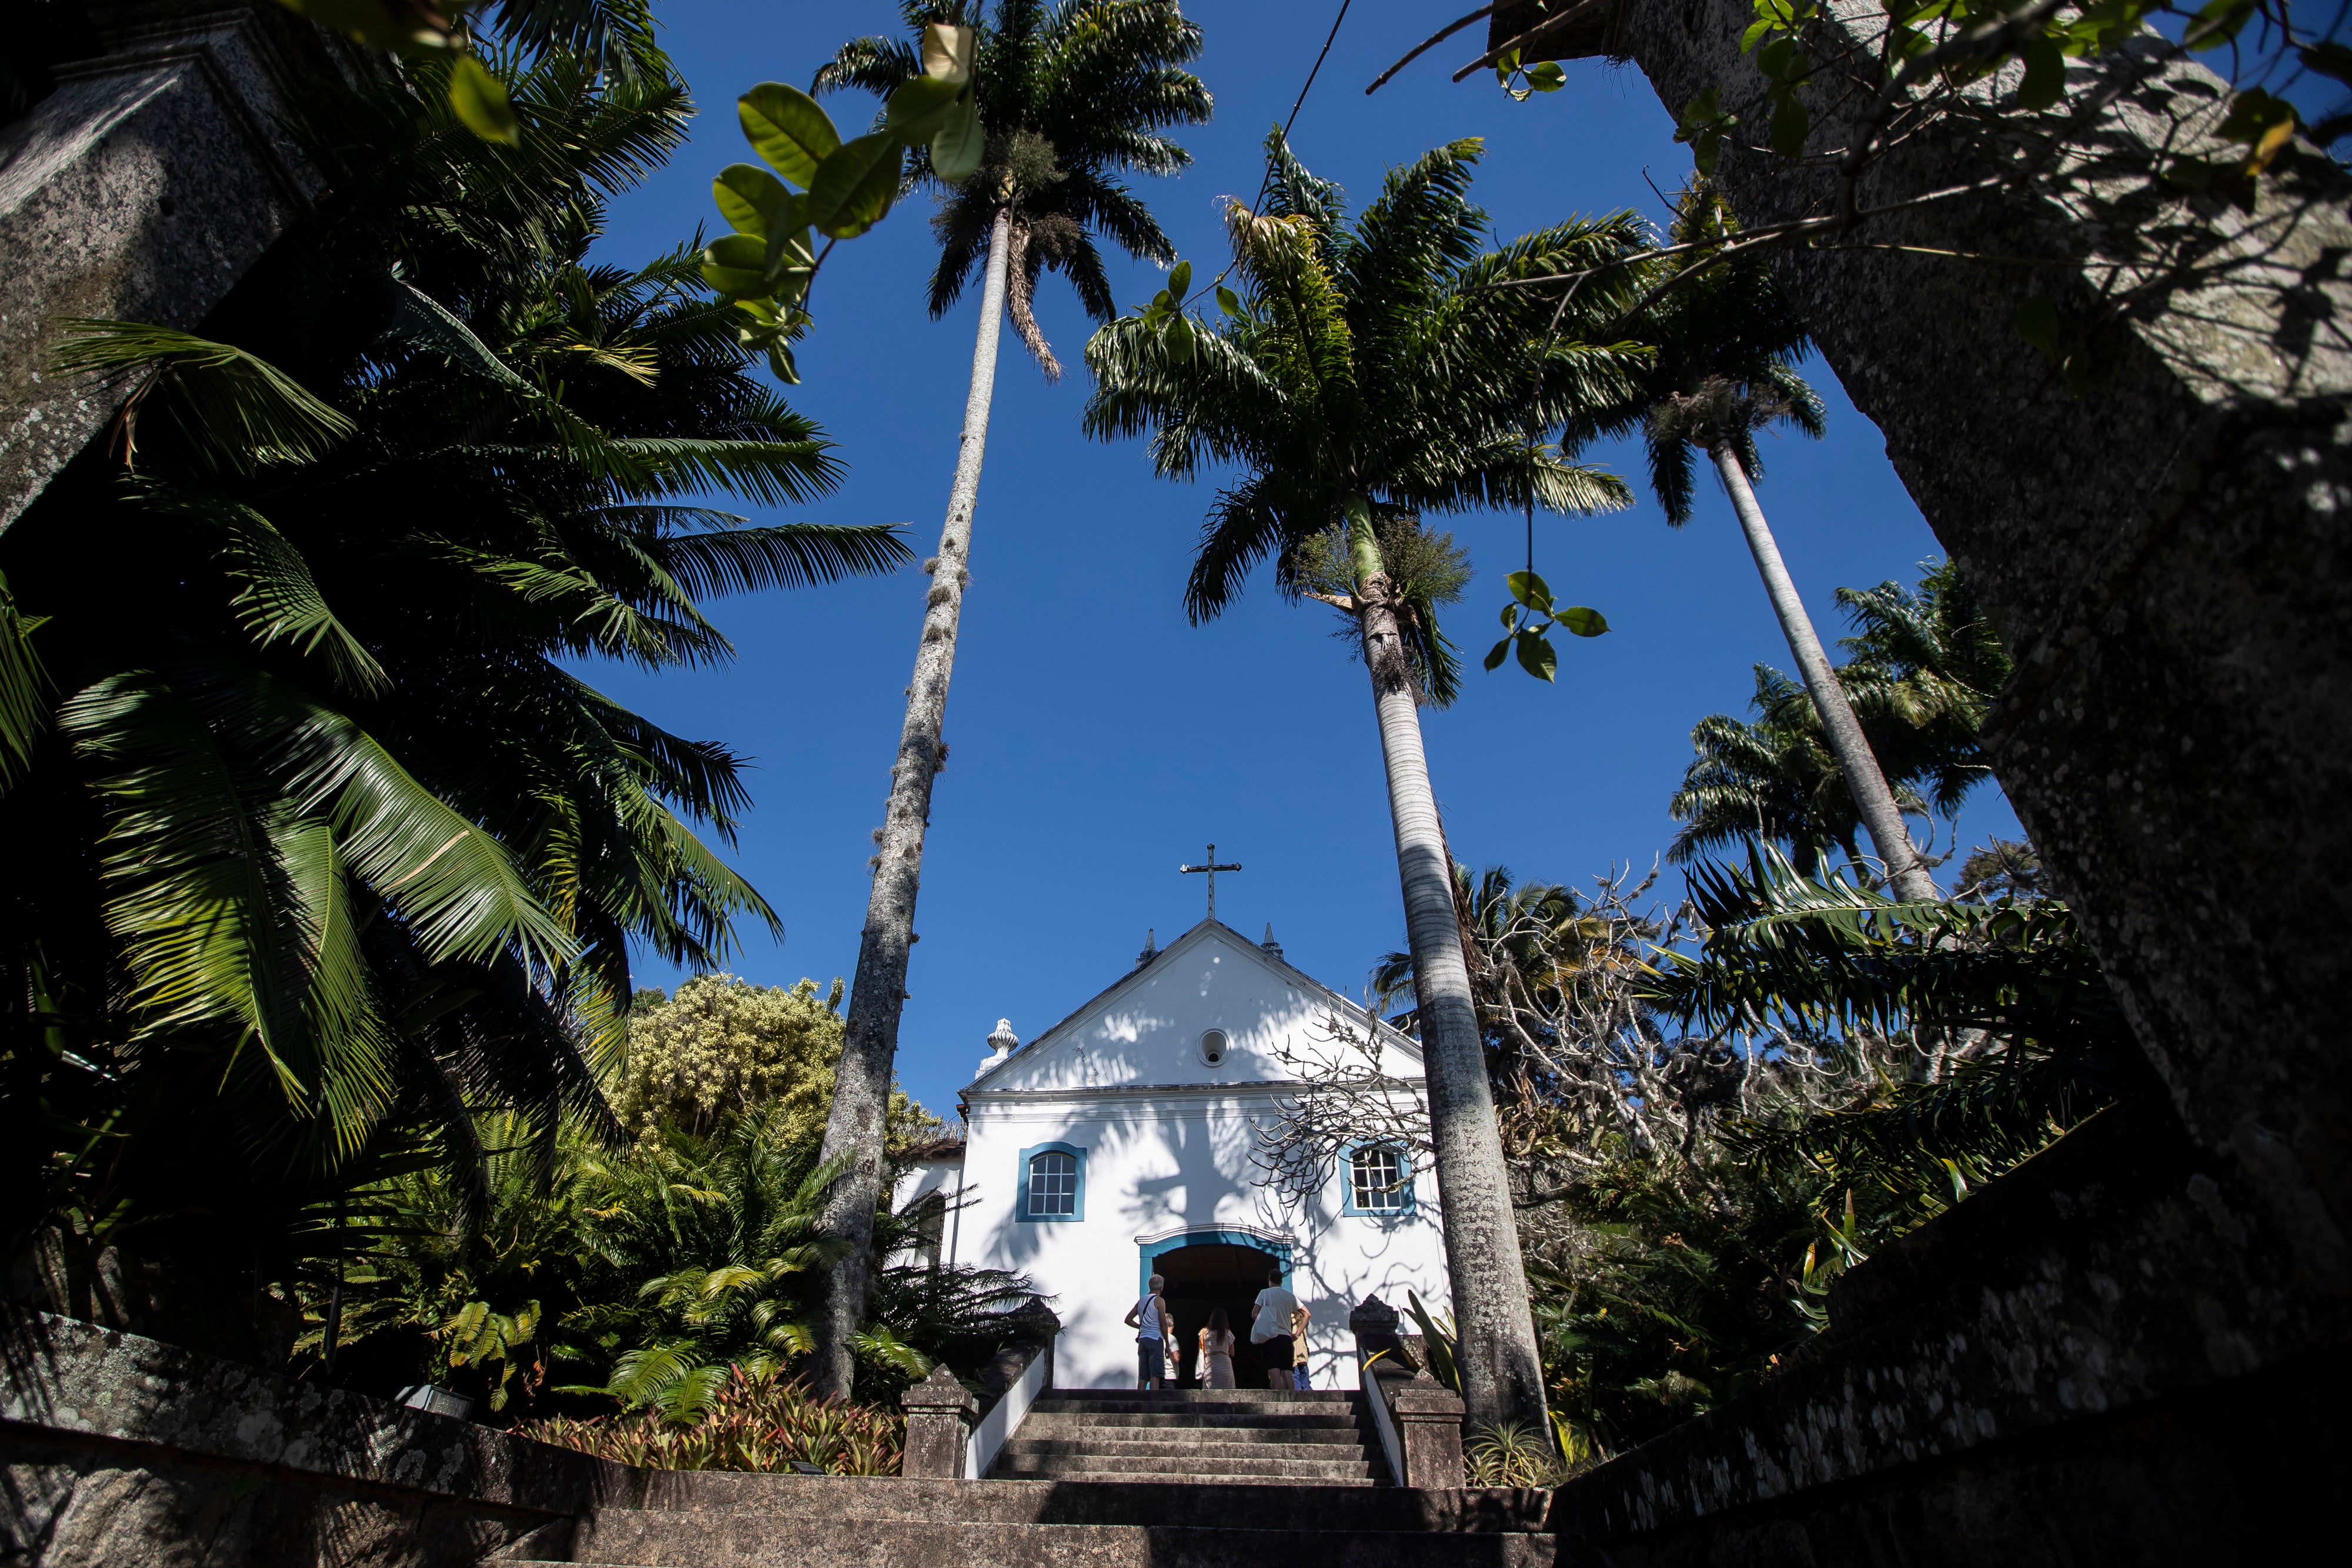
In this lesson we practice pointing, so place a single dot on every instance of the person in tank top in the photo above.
(1155, 1335)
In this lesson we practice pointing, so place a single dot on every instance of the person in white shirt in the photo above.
(1155, 1331)
(1270, 1331)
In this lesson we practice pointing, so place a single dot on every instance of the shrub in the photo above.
(752, 1423)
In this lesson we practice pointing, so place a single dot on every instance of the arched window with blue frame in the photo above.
(1052, 1185)
(1379, 1182)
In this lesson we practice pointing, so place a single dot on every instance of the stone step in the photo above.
(1149, 1442)
(1206, 1485)
(1200, 1395)
(738, 1539)
(1118, 1499)
(1181, 1468)
(1333, 1406)
(1074, 1421)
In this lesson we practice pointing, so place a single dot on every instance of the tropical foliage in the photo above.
(327, 849)
(1885, 1059)
(1071, 98)
(1375, 360)
(753, 1421)
(1922, 669)
(648, 1274)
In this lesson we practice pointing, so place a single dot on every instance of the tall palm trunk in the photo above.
(1873, 800)
(869, 1046)
(1502, 1372)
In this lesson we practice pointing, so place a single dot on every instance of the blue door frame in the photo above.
(1152, 1250)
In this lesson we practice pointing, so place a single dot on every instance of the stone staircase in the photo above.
(1233, 1437)
(711, 1519)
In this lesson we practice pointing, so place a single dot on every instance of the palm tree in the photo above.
(1070, 97)
(322, 845)
(1722, 373)
(1773, 779)
(1924, 671)
(1365, 376)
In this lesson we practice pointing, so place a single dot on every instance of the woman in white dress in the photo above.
(1217, 1350)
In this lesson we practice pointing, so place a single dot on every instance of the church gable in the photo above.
(1161, 1026)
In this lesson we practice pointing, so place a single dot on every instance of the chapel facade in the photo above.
(1126, 1140)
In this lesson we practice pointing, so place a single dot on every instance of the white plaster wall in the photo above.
(1168, 1144)
(924, 1177)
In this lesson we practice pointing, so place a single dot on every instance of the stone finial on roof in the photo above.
(1272, 947)
(1002, 1042)
(1150, 947)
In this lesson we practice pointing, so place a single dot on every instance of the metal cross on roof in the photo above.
(1213, 868)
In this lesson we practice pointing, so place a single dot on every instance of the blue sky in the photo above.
(1097, 740)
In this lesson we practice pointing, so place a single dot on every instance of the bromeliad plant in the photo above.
(751, 1421)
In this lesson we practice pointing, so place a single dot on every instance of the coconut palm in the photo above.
(323, 842)
(1726, 342)
(1070, 97)
(1366, 375)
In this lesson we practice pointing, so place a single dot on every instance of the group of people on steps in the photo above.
(1277, 1328)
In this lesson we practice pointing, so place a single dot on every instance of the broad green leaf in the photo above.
(2265, 123)
(2045, 74)
(947, 52)
(1530, 590)
(1535, 655)
(1228, 301)
(2037, 323)
(1501, 649)
(1547, 77)
(1583, 620)
(959, 144)
(786, 128)
(779, 361)
(1180, 280)
(2330, 59)
(480, 99)
(754, 201)
(2217, 23)
(1790, 125)
(1510, 616)
(1180, 337)
(855, 186)
(913, 110)
(736, 266)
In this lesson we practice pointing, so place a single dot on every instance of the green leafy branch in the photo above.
(425, 29)
(767, 267)
(1527, 623)
(1523, 82)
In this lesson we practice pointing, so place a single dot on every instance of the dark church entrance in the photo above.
(1205, 1276)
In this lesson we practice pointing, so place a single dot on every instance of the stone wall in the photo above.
(119, 1449)
(141, 189)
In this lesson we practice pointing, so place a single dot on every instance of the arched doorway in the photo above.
(1222, 1270)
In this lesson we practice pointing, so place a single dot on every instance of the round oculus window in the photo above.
(1214, 1047)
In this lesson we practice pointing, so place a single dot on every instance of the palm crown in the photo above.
(1071, 96)
(1726, 342)
(1375, 360)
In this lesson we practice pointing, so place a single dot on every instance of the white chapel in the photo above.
(1119, 1142)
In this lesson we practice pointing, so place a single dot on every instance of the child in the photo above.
(1298, 1344)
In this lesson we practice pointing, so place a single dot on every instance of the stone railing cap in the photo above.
(940, 1391)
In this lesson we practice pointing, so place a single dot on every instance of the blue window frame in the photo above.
(1378, 1184)
(1052, 1188)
